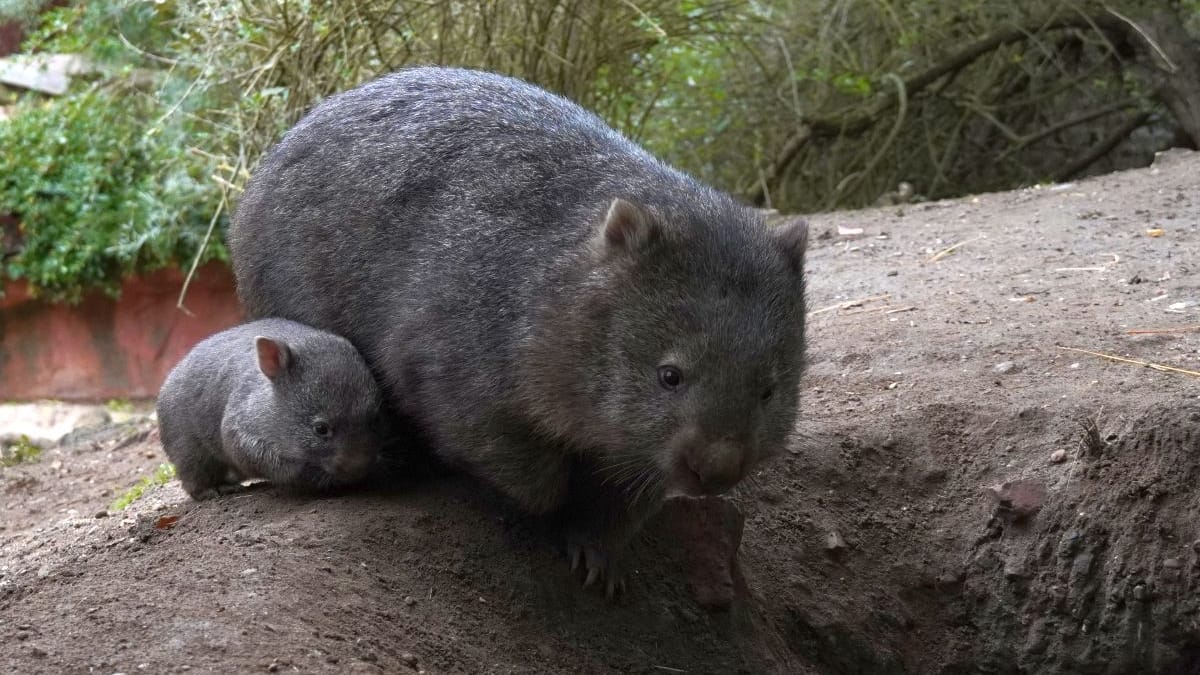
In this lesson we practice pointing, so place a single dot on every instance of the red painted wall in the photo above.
(10, 38)
(13, 33)
(103, 349)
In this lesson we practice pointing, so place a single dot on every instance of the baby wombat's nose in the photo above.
(353, 463)
(719, 465)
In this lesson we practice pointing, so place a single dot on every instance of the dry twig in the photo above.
(950, 249)
(1136, 362)
(849, 303)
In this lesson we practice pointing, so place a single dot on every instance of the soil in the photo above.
(965, 496)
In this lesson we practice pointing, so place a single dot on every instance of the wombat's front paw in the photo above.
(213, 491)
(600, 562)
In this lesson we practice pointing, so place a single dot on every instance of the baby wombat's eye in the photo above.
(669, 377)
(767, 394)
(321, 428)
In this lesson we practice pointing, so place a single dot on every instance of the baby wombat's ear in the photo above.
(793, 239)
(628, 228)
(274, 357)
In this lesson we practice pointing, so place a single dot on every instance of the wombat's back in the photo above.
(428, 179)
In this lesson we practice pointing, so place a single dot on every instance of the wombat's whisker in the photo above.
(651, 477)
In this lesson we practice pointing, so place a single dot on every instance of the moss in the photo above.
(161, 475)
(20, 452)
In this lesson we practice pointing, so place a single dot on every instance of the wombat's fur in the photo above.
(270, 399)
(569, 318)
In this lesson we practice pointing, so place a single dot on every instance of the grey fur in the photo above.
(223, 420)
(461, 229)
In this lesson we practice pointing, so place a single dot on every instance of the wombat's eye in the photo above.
(669, 377)
(767, 394)
(321, 429)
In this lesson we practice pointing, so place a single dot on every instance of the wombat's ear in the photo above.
(273, 356)
(793, 238)
(627, 227)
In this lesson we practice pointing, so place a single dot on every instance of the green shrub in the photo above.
(20, 452)
(97, 194)
(112, 178)
(161, 476)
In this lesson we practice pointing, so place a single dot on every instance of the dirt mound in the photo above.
(967, 496)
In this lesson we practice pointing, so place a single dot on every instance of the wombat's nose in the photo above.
(719, 465)
(352, 464)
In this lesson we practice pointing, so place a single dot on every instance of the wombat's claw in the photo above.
(599, 566)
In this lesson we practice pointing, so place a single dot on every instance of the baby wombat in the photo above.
(561, 313)
(270, 399)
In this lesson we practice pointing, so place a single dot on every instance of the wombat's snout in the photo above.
(351, 463)
(717, 466)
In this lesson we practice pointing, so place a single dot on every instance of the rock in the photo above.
(709, 531)
(835, 543)
(409, 601)
(1140, 594)
(949, 582)
(409, 659)
(44, 73)
(1004, 367)
(1058, 456)
(1014, 569)
(1172, 563)
(93, 417)
(1029, 413)
(1069, 543)
(38, 652)
(934, 476)
(102, 514)
(1081, 566)
(1018, 500)
(46, 423)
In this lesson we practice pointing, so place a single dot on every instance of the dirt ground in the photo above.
(967, 495)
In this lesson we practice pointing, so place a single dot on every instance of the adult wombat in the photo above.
(270, 399)
(561, 313)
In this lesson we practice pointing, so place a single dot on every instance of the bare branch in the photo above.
(1102, 148)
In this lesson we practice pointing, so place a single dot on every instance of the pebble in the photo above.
(408, 600)
(1058, 456)
(834, 542)
(1019, 499)
(1196, 546)
(1015, 569)
(38, 652)
(1172, 563)
(102, 514)
(43, 572)
(771, 496)
(1139, 593)
(1004, 367)
(1081, 566)
(409, 659)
